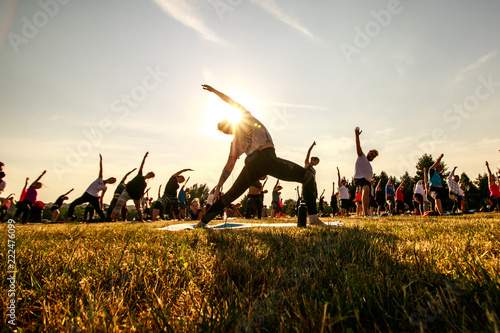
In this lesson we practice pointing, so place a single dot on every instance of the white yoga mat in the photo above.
(237, 225)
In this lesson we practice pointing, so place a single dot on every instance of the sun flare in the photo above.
(217, 110)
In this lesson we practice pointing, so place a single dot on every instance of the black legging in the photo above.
(254, 203)
(94, 201)
(494, 203)
(418, 203)
(23, 207)
(257, 165)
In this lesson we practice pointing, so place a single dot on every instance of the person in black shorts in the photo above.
(6, 204)
(252, 138)
(169, 198)
(334, 201)
(379, 197)
(363, 172)
(55, 207)
(309, 164)
(254, 201)
(435, 181)
(91, 195)
(118, 191)
(134, 190)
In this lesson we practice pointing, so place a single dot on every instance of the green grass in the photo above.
(388, 274)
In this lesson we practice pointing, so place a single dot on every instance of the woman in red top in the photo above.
(358, 202)
(400, 200)
(494, 189)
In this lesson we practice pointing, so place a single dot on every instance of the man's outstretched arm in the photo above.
(357, 131)
(309, 154)
(438, 161)
(226, 172)
(224, 97)
(126, 175)
(100, 166)
(178, 173)
(143, 161)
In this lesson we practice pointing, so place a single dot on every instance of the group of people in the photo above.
(250, 137)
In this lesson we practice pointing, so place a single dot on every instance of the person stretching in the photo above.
(309, 164)
(252, 138)
(436, 185)
(29, 199)
(58, 204)
(91, 195)
(454, 192)
(169, 197)
(118, 191)
(133, 190)
(345, 200)
(494, 189)
(363, 172)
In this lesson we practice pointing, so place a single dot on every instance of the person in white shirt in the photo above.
(363, 172)
(454, 191)
(91, 195)
(345, 202)
(252, 138)
(418, 197)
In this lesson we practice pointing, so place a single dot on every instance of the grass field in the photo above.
(388, 274)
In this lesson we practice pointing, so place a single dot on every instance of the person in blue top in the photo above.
(436, 184)
(389, 196)
(182, 196)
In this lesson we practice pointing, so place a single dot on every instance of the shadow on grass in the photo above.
(331, 279)
(130, 277)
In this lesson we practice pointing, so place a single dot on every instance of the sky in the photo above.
(79, 78)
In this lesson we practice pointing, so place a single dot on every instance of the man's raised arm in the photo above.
(357, 131)
(65, 194)
(100, 166)
(178, 173)
(224, 97)
(438, 161)
(142, 164)
(309, 154)
(39, 177)
(226, 172)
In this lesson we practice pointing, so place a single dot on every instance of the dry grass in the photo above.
(387, 274)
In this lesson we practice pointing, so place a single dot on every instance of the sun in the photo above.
(219, 110)
(216, 111)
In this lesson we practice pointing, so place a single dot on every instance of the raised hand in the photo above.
(207, 87)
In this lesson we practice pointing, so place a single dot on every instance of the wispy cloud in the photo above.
(462, 73)
(288, 105)
(270, 7)
(187, 15)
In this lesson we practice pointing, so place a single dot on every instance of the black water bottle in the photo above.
(302, 215)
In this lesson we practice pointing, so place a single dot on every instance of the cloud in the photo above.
(270, 7)
(462, 73)
(186, 14)
(288, 105)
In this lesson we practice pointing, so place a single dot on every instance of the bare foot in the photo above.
(314, 220)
